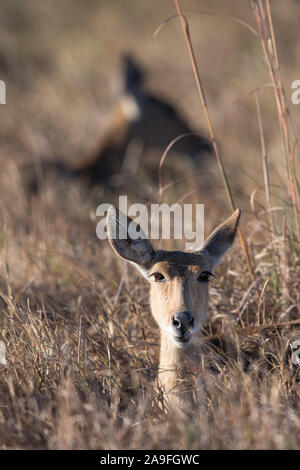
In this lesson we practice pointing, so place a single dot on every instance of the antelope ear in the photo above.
(221, 239)
(133, 76)
(128, 240)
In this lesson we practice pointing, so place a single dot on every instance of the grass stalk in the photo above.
(276, 253)
(264, 22)
(200, 88)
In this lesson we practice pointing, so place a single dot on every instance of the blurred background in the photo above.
(63, 65)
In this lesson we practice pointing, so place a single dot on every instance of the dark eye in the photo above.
(204, 276)
(158, 277)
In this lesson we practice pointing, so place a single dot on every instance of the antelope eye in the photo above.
(158, 277)
(204, 276)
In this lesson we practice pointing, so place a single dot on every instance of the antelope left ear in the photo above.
(128, 240)
(221, 239)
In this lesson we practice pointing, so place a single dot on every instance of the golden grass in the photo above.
(81, 346)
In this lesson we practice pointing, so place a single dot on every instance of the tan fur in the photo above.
(117, 127)
(180, 291)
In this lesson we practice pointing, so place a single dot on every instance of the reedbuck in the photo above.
(137, 130)
(178, 295)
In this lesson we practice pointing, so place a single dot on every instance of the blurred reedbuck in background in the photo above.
(138, 130)
(178, 297)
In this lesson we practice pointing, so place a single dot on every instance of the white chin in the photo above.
(181, 344)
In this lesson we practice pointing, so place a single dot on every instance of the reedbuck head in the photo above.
(178, 280)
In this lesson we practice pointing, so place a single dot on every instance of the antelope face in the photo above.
(179, 293)
(178, 279)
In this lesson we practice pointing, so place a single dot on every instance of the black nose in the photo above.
(182, 321)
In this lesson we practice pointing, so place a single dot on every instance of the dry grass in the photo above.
(81, 346)
(82, 349)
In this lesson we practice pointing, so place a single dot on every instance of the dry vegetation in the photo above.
(81, 346)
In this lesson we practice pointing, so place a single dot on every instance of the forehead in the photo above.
(178, 262)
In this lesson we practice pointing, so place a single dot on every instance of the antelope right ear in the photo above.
(128, 240)
(221, 239)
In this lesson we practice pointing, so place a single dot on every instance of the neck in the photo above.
(176, 368)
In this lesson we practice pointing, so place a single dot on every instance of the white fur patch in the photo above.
(130, 108)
